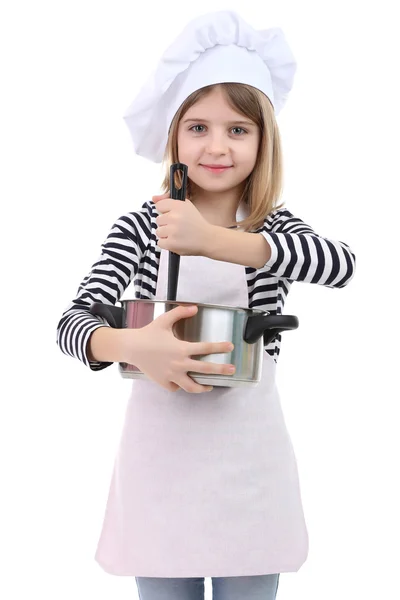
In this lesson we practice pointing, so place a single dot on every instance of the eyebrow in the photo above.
(227, 123)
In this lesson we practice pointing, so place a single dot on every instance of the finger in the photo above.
(162, 232)
(162, 245)
(166, 205)
(172, 387)
(163, 205)
(159, 197)
(182, 311)
(208, 368)
(162, 220)
(189, 385)
(210, 347)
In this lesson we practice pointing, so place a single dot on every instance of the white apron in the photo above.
(204, 485)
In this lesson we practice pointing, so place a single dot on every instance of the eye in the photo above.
(196, 126)
(192, 128)
(241, 128)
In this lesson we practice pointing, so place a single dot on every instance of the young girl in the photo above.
(205, 485)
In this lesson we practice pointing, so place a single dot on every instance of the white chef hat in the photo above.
(214, 48)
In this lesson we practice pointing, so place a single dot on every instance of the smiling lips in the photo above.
(216, 168)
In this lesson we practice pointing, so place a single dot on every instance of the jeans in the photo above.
(257, 587)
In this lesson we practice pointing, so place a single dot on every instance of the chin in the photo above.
(205, 185)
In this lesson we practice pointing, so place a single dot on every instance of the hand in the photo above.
(181, 227)
(166, 359)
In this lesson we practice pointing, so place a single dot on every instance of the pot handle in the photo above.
(112, 314)
(269, 326)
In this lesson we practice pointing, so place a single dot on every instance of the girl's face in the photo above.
(212, 133)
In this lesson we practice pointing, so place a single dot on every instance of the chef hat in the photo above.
(214, 48)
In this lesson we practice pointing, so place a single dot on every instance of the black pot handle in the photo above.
(267, 325)
(112, 314)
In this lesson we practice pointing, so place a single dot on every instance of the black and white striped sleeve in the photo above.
(106, 281)
(300, 254)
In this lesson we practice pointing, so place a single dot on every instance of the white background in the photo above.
(69, 70)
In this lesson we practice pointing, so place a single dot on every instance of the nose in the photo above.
(216, 143)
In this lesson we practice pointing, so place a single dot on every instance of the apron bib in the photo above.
(204, 485)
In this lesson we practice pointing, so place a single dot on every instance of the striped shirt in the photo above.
(130, 254)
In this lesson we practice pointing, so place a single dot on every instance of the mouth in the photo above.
(216, 168)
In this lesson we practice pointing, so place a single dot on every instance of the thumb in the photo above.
(179, 312)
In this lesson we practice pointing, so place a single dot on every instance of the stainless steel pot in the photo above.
(248, 329)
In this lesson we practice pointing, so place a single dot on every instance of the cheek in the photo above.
(246, 155)
(187, 151)
(250, 154)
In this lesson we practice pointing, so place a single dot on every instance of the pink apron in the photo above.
(204, 485)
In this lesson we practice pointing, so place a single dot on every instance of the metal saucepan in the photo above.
(248, 329)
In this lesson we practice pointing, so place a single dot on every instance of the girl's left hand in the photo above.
(181, 229)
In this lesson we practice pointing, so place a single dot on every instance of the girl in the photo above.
(205, 485)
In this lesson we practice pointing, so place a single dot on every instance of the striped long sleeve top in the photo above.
(130, 254)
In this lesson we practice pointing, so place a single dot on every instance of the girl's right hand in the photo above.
(166, 360)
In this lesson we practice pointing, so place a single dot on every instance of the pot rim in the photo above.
(200, 304)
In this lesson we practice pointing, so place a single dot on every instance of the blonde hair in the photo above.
(263, 187)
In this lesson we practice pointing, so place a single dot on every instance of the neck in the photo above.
(218, 208)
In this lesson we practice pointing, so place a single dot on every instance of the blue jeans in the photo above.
(257, 587)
